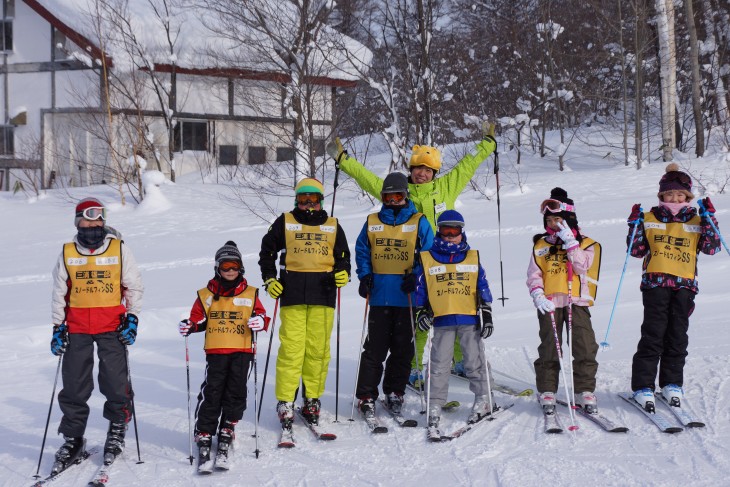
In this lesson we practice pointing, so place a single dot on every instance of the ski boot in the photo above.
(394, 402)
(226, 436)
(310, 411)
(416, 379)
(69, 453)
(285, 410)
(645, 398)
(434, 418)
(547, 401)
(587, 400)
(367, 407)
(114, 444)
(204, 442)
(673, 394)
(481, 408)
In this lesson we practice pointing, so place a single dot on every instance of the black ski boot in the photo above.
(69, 453)
(204, 441)
(226, 436)
(310, 411)
(114, 445)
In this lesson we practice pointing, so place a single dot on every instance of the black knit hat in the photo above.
(559, 194)
(229, 252)
(395, 182)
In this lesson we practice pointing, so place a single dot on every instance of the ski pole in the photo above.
(337, 360)
(359, 356)
(717, 231)
(268, 354)
(569, 266)
(428, 376)
(486, 363)
(131, 400)
(604, 343)
(341, 150)
(255, 393)
(573, 426)
(415, 351)
(48, 419)
(490, 132)
(190, 424)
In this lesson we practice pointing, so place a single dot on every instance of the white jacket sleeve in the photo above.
(60, 289)
(132, 282)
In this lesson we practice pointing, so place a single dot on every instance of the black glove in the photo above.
(366, 285)
(487, 326)
(128, 329)
(409, 283)
(424, 318)
(59, 342)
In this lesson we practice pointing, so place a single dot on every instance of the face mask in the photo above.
(91, 237)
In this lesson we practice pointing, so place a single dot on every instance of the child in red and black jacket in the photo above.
(669, 239)
(229, 311)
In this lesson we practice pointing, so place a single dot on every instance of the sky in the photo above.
(174, 235)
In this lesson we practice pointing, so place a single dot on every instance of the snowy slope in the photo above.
(174, 244)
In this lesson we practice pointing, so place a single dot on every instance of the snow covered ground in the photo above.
(174, 236)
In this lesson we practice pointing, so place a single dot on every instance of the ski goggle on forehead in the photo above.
(450, 231)
(555, 206)
(94, 213)
(393, 197)
(308, 198)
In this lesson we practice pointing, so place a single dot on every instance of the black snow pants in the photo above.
(223, 391)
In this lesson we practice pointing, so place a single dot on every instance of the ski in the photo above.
(402, 422)
(662, 421)
(222, 459)
(315, 428)
(286, 440)
(101, 478)
(598, 418)
(52, 478)
(553, 424)
(684, 416)
(470, 426)
(374, 424)
(504, 389)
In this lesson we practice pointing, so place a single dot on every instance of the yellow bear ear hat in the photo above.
(425, 155)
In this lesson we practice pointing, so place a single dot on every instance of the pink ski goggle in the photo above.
(555, 206)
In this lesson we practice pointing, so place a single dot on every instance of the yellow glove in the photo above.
(341, 278)
(273, 287)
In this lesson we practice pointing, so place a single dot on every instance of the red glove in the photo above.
(706, 207)
(636, 214)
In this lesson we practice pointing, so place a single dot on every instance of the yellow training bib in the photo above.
(228, 319)
(452, 288)
(96, 280)
(309, 248)
(673, 246)
(555, 271)
(392, 247)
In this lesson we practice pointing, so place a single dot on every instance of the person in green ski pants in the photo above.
(431, 194)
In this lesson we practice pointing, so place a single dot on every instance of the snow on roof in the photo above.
(194, 42)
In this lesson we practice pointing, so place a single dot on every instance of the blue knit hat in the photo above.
(450, 218)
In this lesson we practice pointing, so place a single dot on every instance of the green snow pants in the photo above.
(304, 352)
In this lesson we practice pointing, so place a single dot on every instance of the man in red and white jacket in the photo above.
(97, 295)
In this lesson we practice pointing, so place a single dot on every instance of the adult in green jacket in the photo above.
(431, 194)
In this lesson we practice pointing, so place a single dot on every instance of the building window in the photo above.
(6, 28)
(228, 155)
(7, 140)
(190, 135)
(284, 154)
(256, 155)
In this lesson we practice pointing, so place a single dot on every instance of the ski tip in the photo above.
(409, 423)
(673, 429)
(286, 444)
(696, 424)
(573, 428)
(328, 436)
(380, 429)
(619, 429)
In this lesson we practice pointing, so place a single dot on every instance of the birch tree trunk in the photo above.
(716, 83)
(667, 73)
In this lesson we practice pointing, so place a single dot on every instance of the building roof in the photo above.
(196, 47)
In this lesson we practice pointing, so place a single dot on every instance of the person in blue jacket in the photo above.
(385, 253)
(453, 296)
